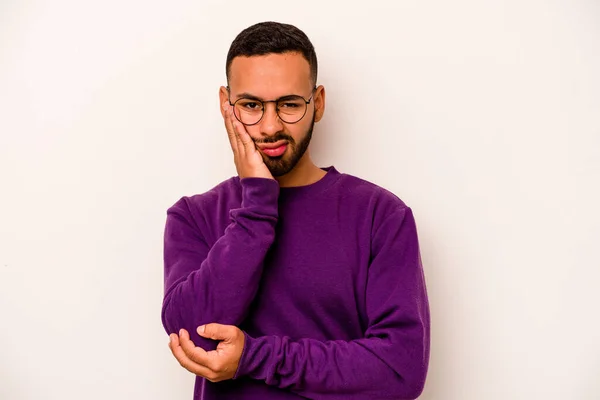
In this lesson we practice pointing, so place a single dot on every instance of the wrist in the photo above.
(254, 361)
(259, 192)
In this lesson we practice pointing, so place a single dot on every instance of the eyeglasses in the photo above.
(290, 109)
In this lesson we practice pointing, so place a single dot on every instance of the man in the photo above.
(292, 281)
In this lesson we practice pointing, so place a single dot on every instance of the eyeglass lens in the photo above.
(250, 111)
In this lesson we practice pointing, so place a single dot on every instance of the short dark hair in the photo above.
(272, 37)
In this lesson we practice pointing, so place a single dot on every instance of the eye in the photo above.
(288, 104)
(250, 105)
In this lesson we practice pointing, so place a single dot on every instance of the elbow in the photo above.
(402, 386)
(412, 385)
(408, 382)
(171, 320)
(414, 391)
(401, 389)
(164, 315)
(179, 313)
(413, 380)
(175, 310)
(405, 389)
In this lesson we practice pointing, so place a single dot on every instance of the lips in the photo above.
(273, 149)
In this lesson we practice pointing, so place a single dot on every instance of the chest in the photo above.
(314, 277)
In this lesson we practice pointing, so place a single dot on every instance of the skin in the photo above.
(215, 365)
(268, 77)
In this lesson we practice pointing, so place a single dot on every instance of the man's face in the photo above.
(271, 77)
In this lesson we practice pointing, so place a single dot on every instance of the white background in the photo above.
(483, 116)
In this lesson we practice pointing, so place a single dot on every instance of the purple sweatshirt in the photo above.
(325, 280)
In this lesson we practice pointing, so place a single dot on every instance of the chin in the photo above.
(278, 167)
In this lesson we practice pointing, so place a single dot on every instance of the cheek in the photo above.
(253, 131)
(298, 131)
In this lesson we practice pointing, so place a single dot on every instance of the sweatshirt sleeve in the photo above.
(217, 284)
(390, 361)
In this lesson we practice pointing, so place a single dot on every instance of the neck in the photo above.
(304, 173)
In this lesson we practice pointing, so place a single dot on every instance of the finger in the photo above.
(187, 363)
(244, 137)
(247, 145)
(194, 353)
(235, 125)
(229, 128)
(239, 143)
(217, 331)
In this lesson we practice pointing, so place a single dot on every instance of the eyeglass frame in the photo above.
(263, 102)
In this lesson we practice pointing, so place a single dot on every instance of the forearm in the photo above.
(224, 285)
(389, 362)
(217, 284)
(338, 369)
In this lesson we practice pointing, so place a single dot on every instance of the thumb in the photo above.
(216, 331)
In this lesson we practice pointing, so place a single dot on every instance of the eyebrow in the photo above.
(253, 97)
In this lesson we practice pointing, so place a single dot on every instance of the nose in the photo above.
(270, 124)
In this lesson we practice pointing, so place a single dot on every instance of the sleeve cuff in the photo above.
(259, 192)
(254, 360)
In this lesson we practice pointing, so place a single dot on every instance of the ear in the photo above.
(223, 97)
(319, 99)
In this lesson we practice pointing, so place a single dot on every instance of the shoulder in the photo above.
(369, 194)
(372, 204)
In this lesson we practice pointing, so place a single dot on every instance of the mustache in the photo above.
(273, 139)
